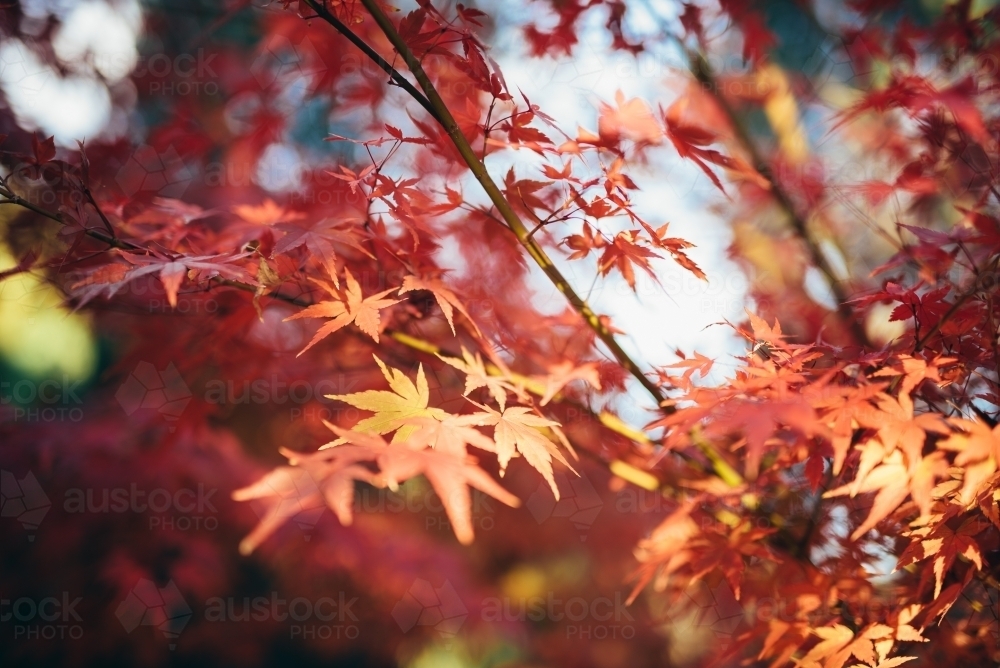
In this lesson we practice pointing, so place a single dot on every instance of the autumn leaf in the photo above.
(699, 363)
(363, 312)
(107, 279)
(353, 180)
(449, 434)
(583, 244)
(978, 448)
(833, 640)
(172, 270)
(305, 487)
(518, 431)
(288, 491)
(762, 331)
(624, 251)
(564, 373)
(446, 299)
(266, 213)
(629, 119)
(320, 239)
(476, 376)
(451, 475)
(392, 409)
(891, 482)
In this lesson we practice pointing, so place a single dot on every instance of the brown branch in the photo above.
(112, 241)
(322, 12)
(706, 77)
(443, 115)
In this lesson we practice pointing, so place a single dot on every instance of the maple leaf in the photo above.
(266, 213)
(519, 132)
(172, 270)
(354, 181)
(305, 486)
(629, 119)
(758, 421)
(363, 312)
(699, 363)
(450, 434)
(582, 244)
(517, 431)
(891, 479)
(287, 491)
(564, 373)
(946, 545)
(838, 643)
(329, 475)
(393, 409)
(451, 475)
(762, 331)
(446, 299)
(476, 376)
(691, 142)
(622, 253)
(978, 448)
(319, 239)
(107, 278)
(886, 663)
(833, 640)
(169, 219)
(44, 150)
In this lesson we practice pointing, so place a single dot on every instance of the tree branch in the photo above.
(112, 241)
(394, 75)
(706, 77)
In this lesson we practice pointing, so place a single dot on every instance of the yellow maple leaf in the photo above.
(517, 431)
(476, 376)
(392, 410)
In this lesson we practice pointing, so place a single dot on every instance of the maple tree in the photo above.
(838, 481)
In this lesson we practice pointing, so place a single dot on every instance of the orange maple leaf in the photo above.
(446, 299)
(362, 311)
(630, 119)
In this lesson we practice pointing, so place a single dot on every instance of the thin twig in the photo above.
(706, 77)
(394, 75)
(962, 298)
